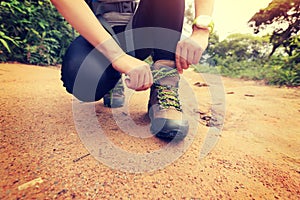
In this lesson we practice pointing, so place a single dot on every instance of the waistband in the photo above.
(114, 1)
(101, 7)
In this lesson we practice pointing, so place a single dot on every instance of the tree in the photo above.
(189, 14)
(283, 16)
(239, 47)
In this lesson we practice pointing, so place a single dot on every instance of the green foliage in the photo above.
(276, 71)
(243, 47)
(32, 32)
(236, 48)
(283, 16)
(250, 70)
(189, 14)
(281, 72)
(249, 57)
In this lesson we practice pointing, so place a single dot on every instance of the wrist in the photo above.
(199, 32)
(119, 61)
(123, 63)
(201, 37)
(204, 22)
(111, 50)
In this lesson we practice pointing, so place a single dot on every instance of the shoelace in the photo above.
(167, 95)
(118, 89)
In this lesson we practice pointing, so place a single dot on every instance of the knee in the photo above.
(69, 70)
(70, 67)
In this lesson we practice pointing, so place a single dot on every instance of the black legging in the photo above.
(96, 76)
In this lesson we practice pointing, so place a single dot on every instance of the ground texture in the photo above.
(257, 155)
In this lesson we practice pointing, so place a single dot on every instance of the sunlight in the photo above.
(231, 16)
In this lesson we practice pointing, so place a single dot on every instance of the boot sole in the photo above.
(169, 129)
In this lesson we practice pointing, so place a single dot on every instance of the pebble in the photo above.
(30, 183)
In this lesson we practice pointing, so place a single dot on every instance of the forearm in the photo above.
(203, 7)
(80, 16)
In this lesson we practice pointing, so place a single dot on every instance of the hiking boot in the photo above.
(115, 98)
(164, 108)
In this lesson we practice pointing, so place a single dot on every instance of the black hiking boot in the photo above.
(164, 108)
(115, 98)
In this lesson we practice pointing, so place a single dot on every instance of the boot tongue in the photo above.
(165, 73)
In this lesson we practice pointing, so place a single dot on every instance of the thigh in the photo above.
(153, 15)
(160, 13)
(86, 73)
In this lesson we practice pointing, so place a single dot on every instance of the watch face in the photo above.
(203, 21)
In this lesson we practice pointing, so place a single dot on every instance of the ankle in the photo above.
(168, 63)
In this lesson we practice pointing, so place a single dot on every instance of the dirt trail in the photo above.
(256, 157)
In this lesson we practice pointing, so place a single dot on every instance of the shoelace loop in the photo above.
(167, 95)
(118, 89)
(162, 73)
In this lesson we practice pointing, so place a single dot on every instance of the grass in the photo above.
(270, 74)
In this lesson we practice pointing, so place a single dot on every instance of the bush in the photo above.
(232, 68)
(206, 69)
(276, 71)
(32, 32)
(282, 72)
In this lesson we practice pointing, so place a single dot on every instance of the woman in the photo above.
(94, 20)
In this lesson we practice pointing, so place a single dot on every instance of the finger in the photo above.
(177, 59)
(183, 57)
(151, 78)
(141, 81)
(142, 88)
(144, 82)
(133, 81)
(148, 80)
(197, 56)
(190, 57)
(127, 81)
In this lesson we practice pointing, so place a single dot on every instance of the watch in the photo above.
(204, 22)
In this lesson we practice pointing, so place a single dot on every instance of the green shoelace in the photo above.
(167, 95)
(118, 89)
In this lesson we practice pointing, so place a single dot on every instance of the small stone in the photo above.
(30, 183)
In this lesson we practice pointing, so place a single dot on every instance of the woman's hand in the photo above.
(138, 72)
(189, 50)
